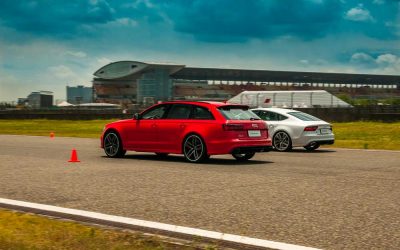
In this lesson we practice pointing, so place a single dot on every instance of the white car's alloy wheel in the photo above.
(282, 141)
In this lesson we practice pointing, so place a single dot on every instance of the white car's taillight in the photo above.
(310, 128)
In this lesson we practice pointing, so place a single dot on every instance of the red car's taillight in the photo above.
(311, 128)
(230, 127)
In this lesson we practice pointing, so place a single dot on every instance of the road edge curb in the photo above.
(187, 233)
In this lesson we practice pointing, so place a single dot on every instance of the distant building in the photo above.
(40, 99)
(289, 99)
(22, 101)
(79, 94)
(127, 82)
(134, 82)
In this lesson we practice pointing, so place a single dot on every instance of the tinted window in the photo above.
(282, 117)
(304, 117)
(155, 113)
(201, 113)
(179, 111)
(238, 113)
(270, 116)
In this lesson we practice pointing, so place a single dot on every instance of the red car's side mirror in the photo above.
(137, 116)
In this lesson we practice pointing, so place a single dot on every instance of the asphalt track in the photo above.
(331, 199)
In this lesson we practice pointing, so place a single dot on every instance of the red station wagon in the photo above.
(194, 129)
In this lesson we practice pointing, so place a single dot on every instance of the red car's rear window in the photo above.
(237, 112)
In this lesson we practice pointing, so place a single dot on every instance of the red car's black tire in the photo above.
(113, 145)
(194, 149)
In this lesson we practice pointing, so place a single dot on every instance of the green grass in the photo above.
(63, 128)
(367, 135)
(21, 231)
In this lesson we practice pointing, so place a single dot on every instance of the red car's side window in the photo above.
(155, 113)
(201, 113)
(179, 111)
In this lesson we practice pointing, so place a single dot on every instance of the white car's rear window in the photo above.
(303, 116)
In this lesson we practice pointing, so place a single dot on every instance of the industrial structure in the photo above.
(132, 82)
(289, 99)
(37, 100)
(79, 94)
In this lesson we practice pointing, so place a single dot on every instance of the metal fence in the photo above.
(376, 112)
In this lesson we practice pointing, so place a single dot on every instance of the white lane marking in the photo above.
(158, 226)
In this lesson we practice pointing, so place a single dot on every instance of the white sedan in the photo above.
(291, 128)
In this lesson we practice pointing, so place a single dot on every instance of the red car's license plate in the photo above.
(254, 133)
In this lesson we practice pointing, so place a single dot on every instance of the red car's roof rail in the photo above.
(215, 103)
(233, 105)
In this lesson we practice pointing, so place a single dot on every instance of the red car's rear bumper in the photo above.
(102, 141)
(238, 146)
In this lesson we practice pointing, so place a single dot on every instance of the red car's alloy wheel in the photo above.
(194, 149)
(112, 145)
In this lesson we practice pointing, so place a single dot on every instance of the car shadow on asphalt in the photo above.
(181, 160)
(318, 151)
(223, 161)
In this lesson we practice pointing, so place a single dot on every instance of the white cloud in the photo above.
(361, 58)
(387, 59)
(304, 61)
(135, 4)
(103, 61)
(359, 14)
(126, 22)
(62, 72)
(382, 64)
(10, 87)
(42, 65)
(389, 63)
(122, 22)
(317, 1)
(379, 2)
(79, 54)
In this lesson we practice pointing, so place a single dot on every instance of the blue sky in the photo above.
(45, 45)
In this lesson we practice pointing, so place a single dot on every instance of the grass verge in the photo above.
(28, 231)
(367, 135)
(63, 128)
(364, 135)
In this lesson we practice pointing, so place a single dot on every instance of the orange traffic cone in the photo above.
(74, 156)
(52, 135)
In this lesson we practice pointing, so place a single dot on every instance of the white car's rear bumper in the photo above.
(308, 138)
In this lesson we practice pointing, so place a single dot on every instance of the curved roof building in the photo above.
(133, 69)
(134, 82)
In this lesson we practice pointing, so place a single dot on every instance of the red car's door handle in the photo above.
(153, 125)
